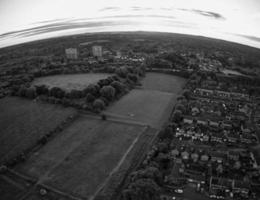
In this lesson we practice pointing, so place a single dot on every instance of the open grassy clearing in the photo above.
(12, 187)
(70, 81)
(80, 158)
(163, 82)
(9, 190)
(147, 106)
(23, 122)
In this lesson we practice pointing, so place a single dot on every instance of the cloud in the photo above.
(56, 26)
(250, 37)
(61, 26)
(137, 8)
(111, 8)
(209, 14)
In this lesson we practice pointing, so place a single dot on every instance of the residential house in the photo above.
(217, 157)
(241, 187)
(233, 155)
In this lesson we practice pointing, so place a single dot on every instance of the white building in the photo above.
(97, 51)
(71, 53)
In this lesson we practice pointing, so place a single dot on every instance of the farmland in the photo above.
(70, 81)
(95, 146)
(23, 122)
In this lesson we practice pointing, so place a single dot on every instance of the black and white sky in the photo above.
(27, 20)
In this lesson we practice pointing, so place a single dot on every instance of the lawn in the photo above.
(70, 81)
(80, 159)
(148, 106)
(163, 82)
(23, 122)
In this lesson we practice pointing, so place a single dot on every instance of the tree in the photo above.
(187, 94)
(177, 116)
(142, 189)
(21, 91)
(75, 94)
(132, 77)
(30, 93)
(98, 105)
(121, 72)
(104, 82)
(90, 98)
(150, 172)
(120, 87)
(42, 90)
(180, 107)
(57, 92)
(163, 160)
(167, 133)
(108, 92)
(93, 89)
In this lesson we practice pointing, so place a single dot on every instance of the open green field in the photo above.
(148, 106)
(8, 190)
(81, 158)
(153, 103)
(70, 81)
(23, 122)
(163, 82)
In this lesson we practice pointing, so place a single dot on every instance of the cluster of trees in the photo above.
(158, 63)
(169, 60)
(69, 68)
(180, 109)
(96, 96)
(146, 182)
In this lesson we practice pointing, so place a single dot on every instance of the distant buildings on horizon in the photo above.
(97, 51)
(71, 53)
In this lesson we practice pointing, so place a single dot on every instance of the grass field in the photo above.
(23, 122)
(147, 106)
(81, 157)
(70, 81)
(163, 82)
(8, 190)
(12, 187)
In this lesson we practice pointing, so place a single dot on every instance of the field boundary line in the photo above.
(57, 191)
(22, 176)
(115, 118)
(121, 161)
(46, 174)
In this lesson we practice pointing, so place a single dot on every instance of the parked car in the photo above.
(179, 191)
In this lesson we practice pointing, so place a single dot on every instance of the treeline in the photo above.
(148, 180)
(95, 97)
